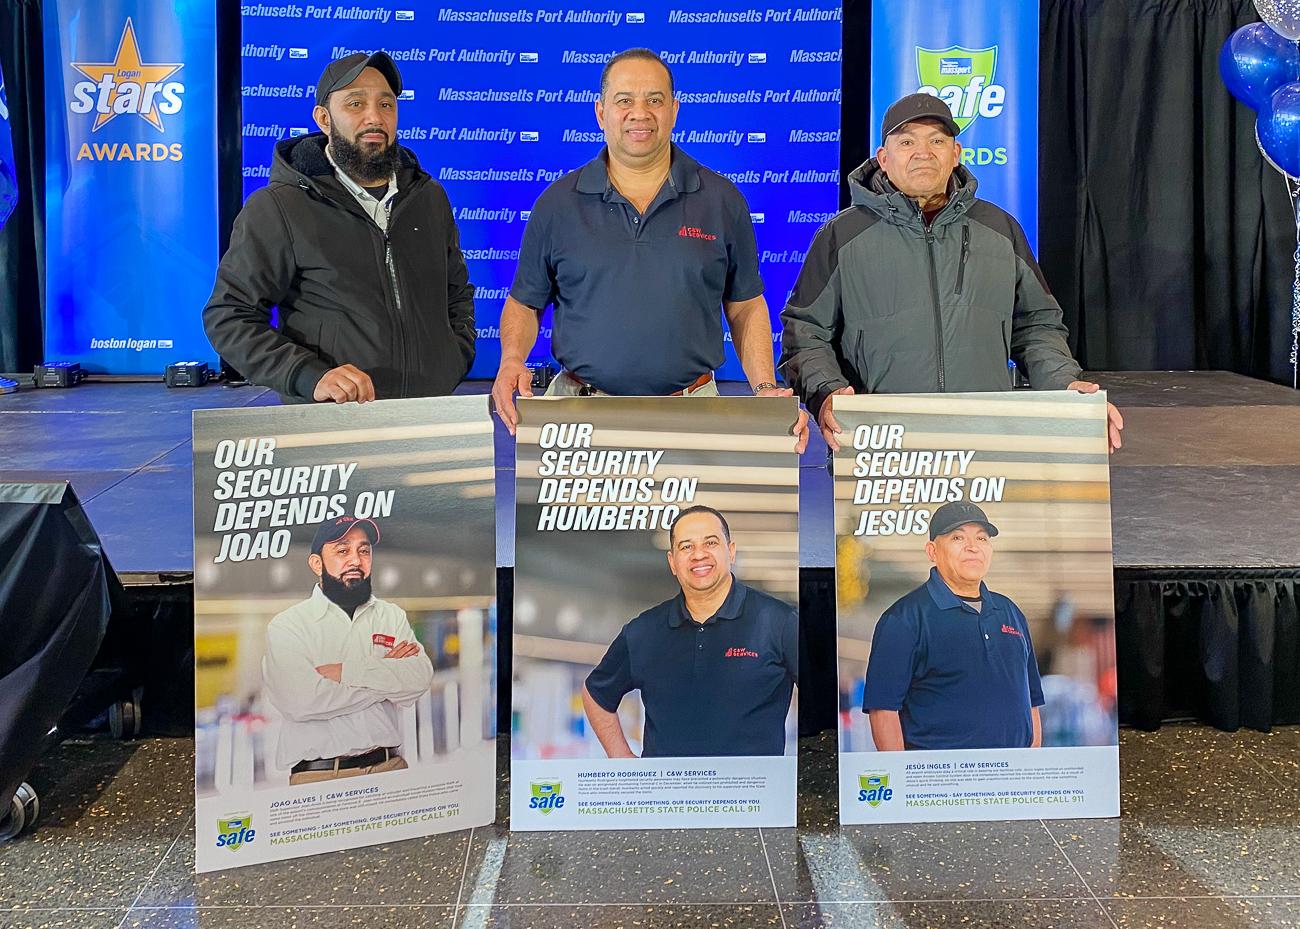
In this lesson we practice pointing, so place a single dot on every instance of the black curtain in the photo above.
(857, 140)
(1164, 234)
(1219, 647)
(22, 241)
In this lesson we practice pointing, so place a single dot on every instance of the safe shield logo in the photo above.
(235, 831)
(874, 789)
(547, 796)
(963, 79)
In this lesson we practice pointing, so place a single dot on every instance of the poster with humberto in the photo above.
(656, 624)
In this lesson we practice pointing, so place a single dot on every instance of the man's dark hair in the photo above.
(629, 54)
(699, 508)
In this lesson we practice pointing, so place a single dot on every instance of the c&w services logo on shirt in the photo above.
(547, 796)
(235, 831)
(875, 789)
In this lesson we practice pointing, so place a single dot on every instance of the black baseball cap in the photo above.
(343, 71)
(334, 529)
(952, 516)
(914, 107)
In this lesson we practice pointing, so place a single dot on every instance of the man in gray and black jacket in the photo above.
(921, 287)
(357, 246)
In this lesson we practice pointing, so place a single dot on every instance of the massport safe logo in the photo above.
(547, 796)
(874, 789)
(235, 831)
(963, 79)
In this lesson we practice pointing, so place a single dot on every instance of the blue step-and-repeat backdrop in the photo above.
(499, 102)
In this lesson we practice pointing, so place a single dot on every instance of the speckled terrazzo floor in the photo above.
(1210, 838)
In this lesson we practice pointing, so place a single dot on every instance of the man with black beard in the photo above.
(358, 249)
(339, 664)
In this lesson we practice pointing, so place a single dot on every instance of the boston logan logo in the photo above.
(874, 789)
(547, 796)
(963, 79)
(235, 831)
(127, 86)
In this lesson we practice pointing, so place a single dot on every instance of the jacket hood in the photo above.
(304, 158)
(870, 187)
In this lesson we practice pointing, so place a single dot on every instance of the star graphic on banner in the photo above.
(130, 78)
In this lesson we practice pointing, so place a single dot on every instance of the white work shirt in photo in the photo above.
(323, 719)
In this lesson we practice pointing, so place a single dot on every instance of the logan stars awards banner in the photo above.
(130, 181)
(976, 608)
(344, 626)
(655, 622)
(981, 58)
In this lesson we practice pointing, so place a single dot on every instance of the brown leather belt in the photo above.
(345, 763)
(586, 390)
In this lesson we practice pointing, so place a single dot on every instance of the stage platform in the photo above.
(1205, 508)
(1209, 476)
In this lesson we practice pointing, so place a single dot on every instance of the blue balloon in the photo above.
(1256, 61)
(1279, 129)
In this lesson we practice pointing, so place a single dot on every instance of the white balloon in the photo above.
(1282, 16)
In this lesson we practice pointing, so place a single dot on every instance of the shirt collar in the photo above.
(683, 175)
(356, 189)
(731, 607)
(943, 596)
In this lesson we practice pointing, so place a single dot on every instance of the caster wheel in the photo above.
(24, 809)
(124, 718)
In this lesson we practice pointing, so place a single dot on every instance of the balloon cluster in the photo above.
(1260, 64)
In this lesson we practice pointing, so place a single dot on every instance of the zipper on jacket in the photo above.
(965, 253)
(397, 307)
(389, 264)
(938, 307)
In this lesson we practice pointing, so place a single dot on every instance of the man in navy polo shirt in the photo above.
(638, 251)
(716, 665)
(952, 664)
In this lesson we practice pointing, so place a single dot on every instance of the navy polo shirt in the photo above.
(638, 297)
(721, 687)
(960, 678)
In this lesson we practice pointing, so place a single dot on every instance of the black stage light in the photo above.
(58, 374)
(187, 374)
(7, 386)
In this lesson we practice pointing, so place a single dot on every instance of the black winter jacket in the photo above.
(399, 306)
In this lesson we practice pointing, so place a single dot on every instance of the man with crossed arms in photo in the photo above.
(339, 664)
(952, 665)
